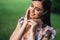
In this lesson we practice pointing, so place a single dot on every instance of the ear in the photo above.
(44, 13)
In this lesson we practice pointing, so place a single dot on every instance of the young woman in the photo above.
(36, 23)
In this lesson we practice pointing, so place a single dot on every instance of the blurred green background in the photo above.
(12, 10)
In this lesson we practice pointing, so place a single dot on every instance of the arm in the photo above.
(18, 32)
(13, 36)
(32, 35)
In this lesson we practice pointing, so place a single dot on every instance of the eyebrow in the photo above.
(38, 8)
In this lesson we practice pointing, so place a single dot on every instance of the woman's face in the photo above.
(36, 9)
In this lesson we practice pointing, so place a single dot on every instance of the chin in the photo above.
(34, 17)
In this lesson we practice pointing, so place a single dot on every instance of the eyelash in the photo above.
(37, 9)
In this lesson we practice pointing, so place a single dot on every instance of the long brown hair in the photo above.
(46, 6)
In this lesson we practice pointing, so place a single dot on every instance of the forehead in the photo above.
(37, 4)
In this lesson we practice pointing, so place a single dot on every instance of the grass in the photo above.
(12, 10)
(55, 21)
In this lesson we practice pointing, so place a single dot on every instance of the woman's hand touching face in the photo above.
(27, 14)
(36, 9)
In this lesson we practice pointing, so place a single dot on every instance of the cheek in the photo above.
(37, 13)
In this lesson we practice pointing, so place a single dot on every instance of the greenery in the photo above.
(12, 10)
(56, 6)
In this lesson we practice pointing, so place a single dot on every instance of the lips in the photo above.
(32, 14)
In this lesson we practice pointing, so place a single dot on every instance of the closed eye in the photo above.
(38, 9)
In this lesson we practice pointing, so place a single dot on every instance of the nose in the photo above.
(33, 9)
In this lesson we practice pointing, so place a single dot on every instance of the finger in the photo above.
(31, 22)
(27, 14)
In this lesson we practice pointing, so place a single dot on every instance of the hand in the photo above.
(27, 14)
(32, 23)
